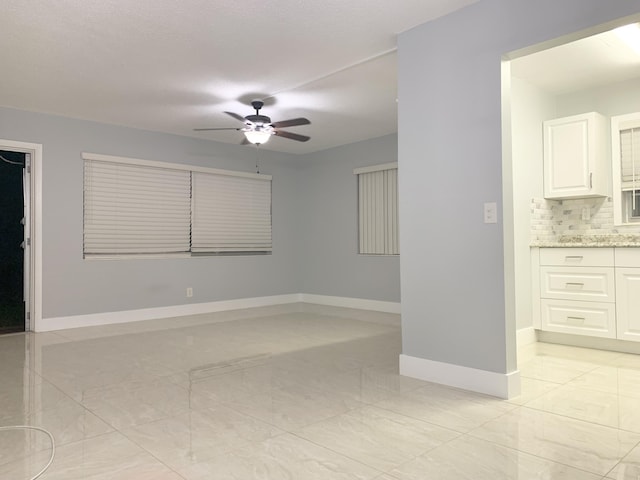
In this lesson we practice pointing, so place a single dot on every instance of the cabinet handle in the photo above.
(574, 257)
(591, 180)
(576, 319)
(574, 284)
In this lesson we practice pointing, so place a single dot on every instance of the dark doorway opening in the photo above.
(12, 306)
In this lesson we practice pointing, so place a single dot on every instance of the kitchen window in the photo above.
(378, 209)
(142, 208)
(625, 135)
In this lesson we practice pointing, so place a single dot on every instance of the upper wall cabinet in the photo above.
(576, 163)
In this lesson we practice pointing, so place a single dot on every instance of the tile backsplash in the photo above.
(553, 219)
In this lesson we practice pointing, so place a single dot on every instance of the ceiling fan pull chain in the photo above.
(257, 157)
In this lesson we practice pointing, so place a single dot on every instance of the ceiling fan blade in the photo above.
(292, 136)
(210, 129)
(294, 122)
(236, 116)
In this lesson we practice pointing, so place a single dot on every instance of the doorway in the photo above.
(14, 240)
(589, 71)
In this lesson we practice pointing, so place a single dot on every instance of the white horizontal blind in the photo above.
(630, 158)
(230, 214)
(378, 212)
(133, 209)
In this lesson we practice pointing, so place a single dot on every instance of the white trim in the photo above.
(175, 166)
(359, 303)
(526, 336)
(536, 311)
(583, 341)
(376, 168)
(35, 149)
(502, 385)
(108, 318)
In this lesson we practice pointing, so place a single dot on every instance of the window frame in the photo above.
(621, 204)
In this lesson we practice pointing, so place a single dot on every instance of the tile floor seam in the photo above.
(537, 456)
(150, 453)
(458, 434)
(620, 462)
(421, 419)
(342, 454)
(471, 433)
(635, 432)
(60, 443)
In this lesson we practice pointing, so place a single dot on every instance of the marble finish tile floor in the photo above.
(302, 392)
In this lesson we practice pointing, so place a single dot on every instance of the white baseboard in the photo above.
(502, 385)
(526, 336)
(108, 318)
(584, 341)
(346, 302)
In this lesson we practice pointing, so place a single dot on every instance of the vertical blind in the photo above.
(144, 207)
(378, 211)
(132, 209)
(630, 158)
(230, 214)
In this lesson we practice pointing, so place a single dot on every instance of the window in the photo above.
(141, 208)
(378, 209)
(230, 214)
(625, 134)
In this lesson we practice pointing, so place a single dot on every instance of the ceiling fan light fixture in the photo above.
(257, 137)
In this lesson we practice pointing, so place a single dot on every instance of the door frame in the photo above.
(35, 263)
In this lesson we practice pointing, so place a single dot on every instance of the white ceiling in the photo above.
(172, 66)
(584, 64)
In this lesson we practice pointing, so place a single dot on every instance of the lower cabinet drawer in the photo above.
(583, 318)
(593, 284)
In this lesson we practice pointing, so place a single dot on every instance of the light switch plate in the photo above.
(491, 212)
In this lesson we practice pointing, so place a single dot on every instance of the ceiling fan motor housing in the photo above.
(258, 119)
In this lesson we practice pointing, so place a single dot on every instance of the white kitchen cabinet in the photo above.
(576, 291)
(576, 160)
(587, 291)
(628, 293)
(628, 303)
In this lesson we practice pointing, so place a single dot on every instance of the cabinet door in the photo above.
(628, 303)
(573, 157)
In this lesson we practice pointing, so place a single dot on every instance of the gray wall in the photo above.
(450, 156)
(314, 223)
(74, 286)
(329, 228)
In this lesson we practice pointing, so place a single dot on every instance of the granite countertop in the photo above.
(590, 241)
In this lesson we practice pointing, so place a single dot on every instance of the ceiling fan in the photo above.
(259, 128)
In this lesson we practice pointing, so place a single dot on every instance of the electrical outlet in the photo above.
(491, 212)
(189, 292)
(586, 213)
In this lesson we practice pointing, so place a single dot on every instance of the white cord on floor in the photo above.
(53, 444)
